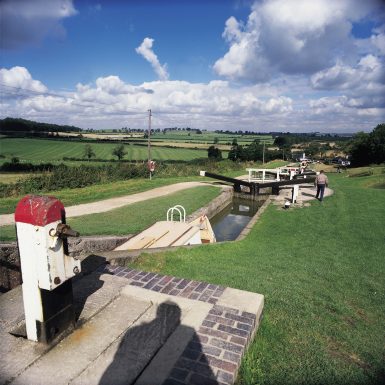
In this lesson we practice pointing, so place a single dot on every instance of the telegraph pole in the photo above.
(263, 154)
(149, 140)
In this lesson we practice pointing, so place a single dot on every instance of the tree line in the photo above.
(10, 125)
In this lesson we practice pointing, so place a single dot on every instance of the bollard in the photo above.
(294, 193)
(46, 267)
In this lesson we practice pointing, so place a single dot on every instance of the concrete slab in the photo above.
(138, 328)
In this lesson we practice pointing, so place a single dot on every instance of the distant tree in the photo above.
(216, 140)
(199, 132)
(88, 152)
(280, 141)
(235, 142)
(119, 152)
(214, 153)
(369, 148)
(236, 153)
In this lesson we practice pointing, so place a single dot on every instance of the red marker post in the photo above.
(46, 267)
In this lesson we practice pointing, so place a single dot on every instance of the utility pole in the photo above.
(149, 141)
(263, 154)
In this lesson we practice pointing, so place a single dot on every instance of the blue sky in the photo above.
(272, 65)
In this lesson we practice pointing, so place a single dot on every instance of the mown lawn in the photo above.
(322, 271)
(135, 217)
(98, 192)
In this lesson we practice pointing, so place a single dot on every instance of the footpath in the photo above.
(114, 203)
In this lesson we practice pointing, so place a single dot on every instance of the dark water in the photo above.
(229, 223)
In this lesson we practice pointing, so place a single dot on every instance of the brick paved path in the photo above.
(213, 355)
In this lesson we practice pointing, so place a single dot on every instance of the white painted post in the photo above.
(45, 267)
(295, 193)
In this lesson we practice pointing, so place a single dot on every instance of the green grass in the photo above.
(98, 192)
(44, 150)
(321, 269)
(135, 217)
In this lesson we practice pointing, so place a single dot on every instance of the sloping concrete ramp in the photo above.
(136, 328)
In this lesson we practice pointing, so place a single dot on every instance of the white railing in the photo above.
(180, 210)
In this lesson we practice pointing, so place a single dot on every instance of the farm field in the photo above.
(47, 150)
(174, 137)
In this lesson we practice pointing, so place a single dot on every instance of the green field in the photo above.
(208, 137)
(48, 150)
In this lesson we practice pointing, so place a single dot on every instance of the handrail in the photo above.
(170, 213)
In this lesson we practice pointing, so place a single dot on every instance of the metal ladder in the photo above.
(180, 210)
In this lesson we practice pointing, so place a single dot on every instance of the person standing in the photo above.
(321, 181)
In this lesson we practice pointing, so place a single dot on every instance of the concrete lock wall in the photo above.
(10, 275)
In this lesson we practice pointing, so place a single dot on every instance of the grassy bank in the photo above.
(135, 217)
(322, 271)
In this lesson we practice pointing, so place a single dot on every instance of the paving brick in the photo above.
(233, 357)
(197, 379)
(191, 354)
(131, 274)
(238, 340)
(239, 318)
(194, 345)
(185, 363)
(201, 287)
(205, 295)
(221, 364)
(226, 345)
(157, 288)
(208, 324)
(226, 378)
(220, 320)
(194, 284)
(227, 309)
(182, 284)
(167, 288)
(211, 350)
(233, 331)
(244, 326)
(200, 338)
(194, 296)
(151, 284)
(248, 315)
(179, 374)
(171, 381)
(174, 292)
(137, 283)
(203, 367)
(186, 292)
(216, 311)
(214, 333)
(166, 279)
(213, 300)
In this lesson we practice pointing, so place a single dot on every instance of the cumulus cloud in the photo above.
(145, 49)
(25, 22)
(292, 37)
(111, 102)
(18, 82)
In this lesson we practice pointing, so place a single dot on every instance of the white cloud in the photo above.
(292, 37)
(25, 22)
(109, 102)
(18, 82)
(145, 49)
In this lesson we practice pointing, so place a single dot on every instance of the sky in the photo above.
(262, 65)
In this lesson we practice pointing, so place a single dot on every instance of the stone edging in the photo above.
(214, 354)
